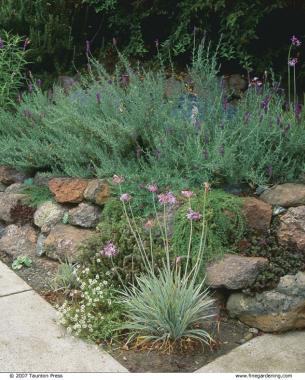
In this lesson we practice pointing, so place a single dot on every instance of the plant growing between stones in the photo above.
(21, 262)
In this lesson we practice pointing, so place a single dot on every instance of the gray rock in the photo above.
(234, 272)
(40, 248)
(15, 188)
(85, 215)
(9, 175)
(64, 242)
(7, 202)
(291, 231)
(286, 195)
(18, 240)
(277, 310)
(48, 215)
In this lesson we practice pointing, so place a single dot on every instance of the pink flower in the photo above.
(295, 41)
(187, 193)
(117, 180)
(178, 260)
(125, 197)
(255, 82)
(167, 198)
(149, 224)
(292, 62)
(109, 250)
(152, 188)
(193, 215)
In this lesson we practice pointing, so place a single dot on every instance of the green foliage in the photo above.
(225, 225)
(113, 227)
(138, 132)
(96, 314)
(21, 261)
(65, 278)
(164, 309)
(36, 195)
(12, 65)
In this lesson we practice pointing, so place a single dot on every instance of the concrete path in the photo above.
(267, 353)
(30, 339)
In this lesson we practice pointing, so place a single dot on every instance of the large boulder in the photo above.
(48, 215)
(8, 201)
(291, 231)
(234, 272)
(68, 190)
(85, 215)
(18, 240)
(97, 191)
(277, 310)
(285, 195)
(9, 175)
(64, 241)
(257, 213)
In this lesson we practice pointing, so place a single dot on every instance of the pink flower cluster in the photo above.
(152, 188)
(125, 197)
(292, 62)
(193, 215)
(255, 82)
(187, 193)
(167, 198)
(295, 41)
(118, 180)
(109, 250)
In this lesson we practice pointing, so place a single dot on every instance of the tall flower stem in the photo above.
(190, 244)
(289, 97)
(294, 88)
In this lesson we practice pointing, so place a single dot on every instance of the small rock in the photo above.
(286, 195)
(9, 175)
(97, 192)
(257, 213)
(48, 215)
(40, 248)
(277, 310)
(248, 337)
(63, 242)
(85, 215)
(277, 210)
(18, 240)
(234, 272)
(253, 330)
(291, 231)
(68, 190)
(15, 188)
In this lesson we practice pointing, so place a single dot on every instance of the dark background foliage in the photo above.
(255, 34)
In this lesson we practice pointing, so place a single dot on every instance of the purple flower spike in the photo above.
(98, 98)
(298, 111)
(109, 250)
(295, 41)
(286, 129)
(30, 87)
(26, 43)
(1, 43)
(206, 139)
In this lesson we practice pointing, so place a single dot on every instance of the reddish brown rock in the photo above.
(258, 214)
(97, 192)
(9, 175)
(285, 195)
(64, 242)
(291, 231)
(234, 272)
(68, 190)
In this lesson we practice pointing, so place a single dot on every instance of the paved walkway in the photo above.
(267, 353)
(30, 339)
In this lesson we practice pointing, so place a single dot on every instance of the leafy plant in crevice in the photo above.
(21, 262)
(225, 221)
(65, 278)
(127, 264)
(36, 195)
